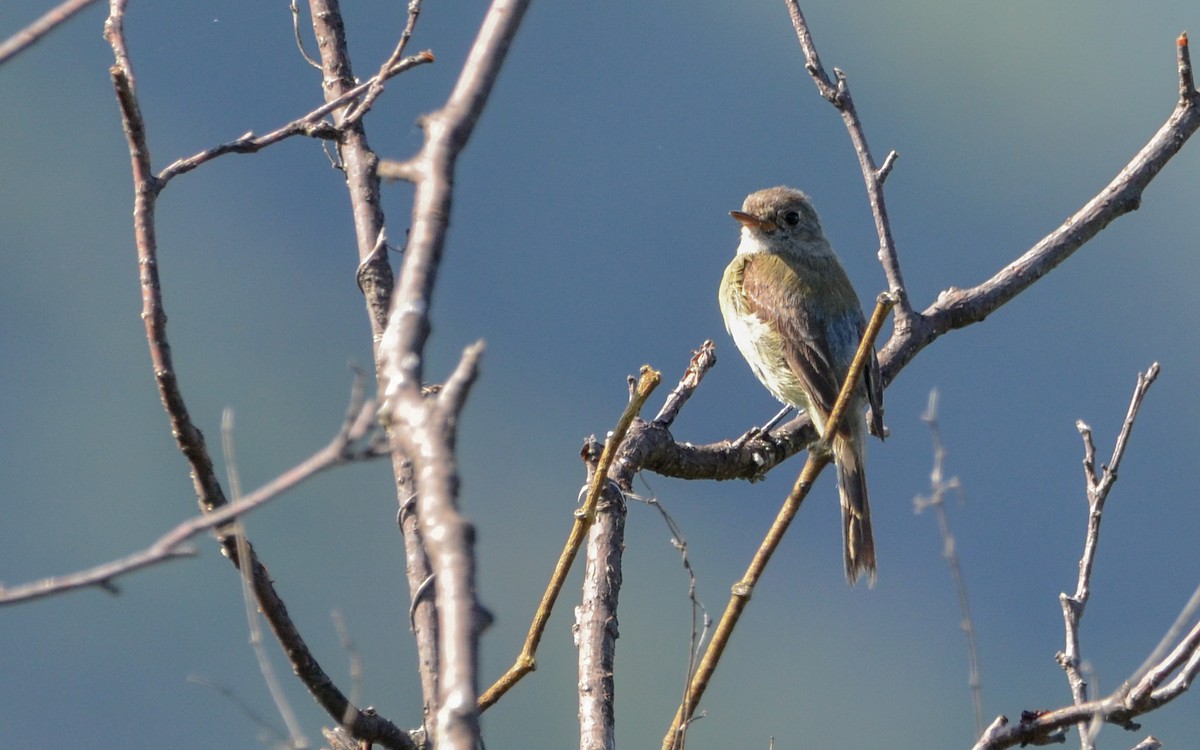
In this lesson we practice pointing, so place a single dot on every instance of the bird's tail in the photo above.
(849, 453)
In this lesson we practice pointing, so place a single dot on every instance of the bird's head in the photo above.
(780, 220)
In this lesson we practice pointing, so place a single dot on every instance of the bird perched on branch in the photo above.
(793, 314)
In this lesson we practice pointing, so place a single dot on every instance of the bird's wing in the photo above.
(766, 282)
(874, 381)
(874, 394)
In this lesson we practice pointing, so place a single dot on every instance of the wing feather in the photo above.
(776, 295)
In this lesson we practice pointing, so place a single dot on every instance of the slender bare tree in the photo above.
(414, 415)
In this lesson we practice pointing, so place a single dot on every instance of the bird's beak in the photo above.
(751, 221)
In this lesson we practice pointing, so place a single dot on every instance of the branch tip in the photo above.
(886, 168)
(1187, 84)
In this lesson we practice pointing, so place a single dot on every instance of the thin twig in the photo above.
(283, 707)
(874, 176)
(818, 459)
(358, 111)
(312, 125)
(268, 731)
(341, 450)
(300, 38)
(1161, 664)
(35, 31)
(584, 517)
(188, 437)
(701, 622)
(703, 360)
(101, 576)
(940, 486)
(355, 671)
(1144, 691)
(1098, 487)
(958, 308)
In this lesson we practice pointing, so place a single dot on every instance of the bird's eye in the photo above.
(791, 218)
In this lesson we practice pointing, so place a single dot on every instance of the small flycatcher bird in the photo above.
(794, 316)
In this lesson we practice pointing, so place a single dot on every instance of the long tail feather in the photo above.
(849, 453)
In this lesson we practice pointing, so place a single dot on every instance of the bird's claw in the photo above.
(754, 433)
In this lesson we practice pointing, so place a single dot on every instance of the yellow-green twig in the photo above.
(584, 517)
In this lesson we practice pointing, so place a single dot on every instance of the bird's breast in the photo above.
(760, 343)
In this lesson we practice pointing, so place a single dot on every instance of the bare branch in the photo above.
(299, 38)
(188, 437)
(957, 308)
(940, 487)
(35, 31)
(1098, 488)
(376, 88)
(585, 516)
(146, 187)
(422, 611)
(873, 176)
(703, 360)
(1045, 727)
(426, 435)
(596, 615)
(283, 707)
(343, 449)
(1185, 657)
(447, 132)
(595, 631)
(449, 541)
(375, 280)
(655, 449)
(1141, 693)
(312, 124)
(101, 576)
(423, 426)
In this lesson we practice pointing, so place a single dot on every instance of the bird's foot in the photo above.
(755, 433)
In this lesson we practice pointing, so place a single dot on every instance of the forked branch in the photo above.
(352, 443)
(209, 494)
(423, 423)
(656, 449)
(1167, 673)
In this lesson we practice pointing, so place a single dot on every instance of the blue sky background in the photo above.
(589, 233)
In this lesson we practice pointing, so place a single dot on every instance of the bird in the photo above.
(793, 314)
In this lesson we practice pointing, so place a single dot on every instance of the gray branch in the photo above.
(423, 421)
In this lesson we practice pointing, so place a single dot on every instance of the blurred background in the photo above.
(589, 233)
